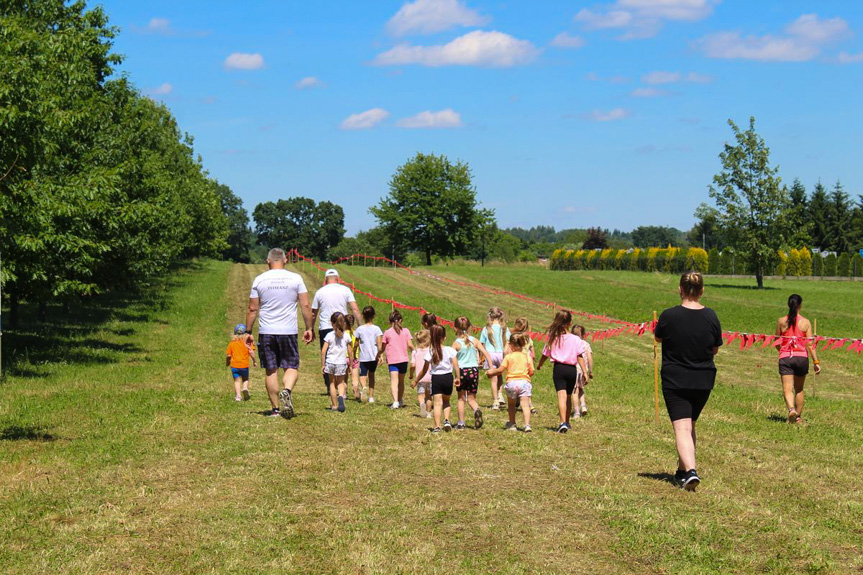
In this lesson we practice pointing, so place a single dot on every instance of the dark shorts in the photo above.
(469, 379)
(240, 372)
(798, 366)
(399, 367)
(322, 333)
(685, 403)
(442, 384)
(564, 377)
(367, 367)
(278, 351)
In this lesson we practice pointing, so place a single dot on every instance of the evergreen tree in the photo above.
(818, 210)
(839, 220)
(800, 224)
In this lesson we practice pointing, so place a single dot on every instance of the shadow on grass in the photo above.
(747, 287)
(777, 418)
(25, 433)
(666, 477)
(77, 333)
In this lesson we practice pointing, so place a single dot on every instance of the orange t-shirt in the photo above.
(239, 353)
(517, 366)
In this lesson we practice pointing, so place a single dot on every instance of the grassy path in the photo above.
(132, 456)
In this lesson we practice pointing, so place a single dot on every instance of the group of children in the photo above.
(436, 370)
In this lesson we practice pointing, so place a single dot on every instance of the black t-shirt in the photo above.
(688, 338)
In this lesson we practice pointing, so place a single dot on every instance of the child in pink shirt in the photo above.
(423, 386)
(566, 351)
(397, 342)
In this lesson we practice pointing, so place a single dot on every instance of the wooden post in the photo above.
(814, 333)
(655, 374)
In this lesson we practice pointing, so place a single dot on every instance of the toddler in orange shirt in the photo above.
(239, 353)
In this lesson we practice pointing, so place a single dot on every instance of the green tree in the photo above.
(312, 228)
(431, 207)
(752, 206)
(843, 265)
(829, 269)
(799, 215)
(839, 216)
(818, 211)
(706, 232)
(239, 238)
(657, 236)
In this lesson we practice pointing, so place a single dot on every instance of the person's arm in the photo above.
(480, 348)
(456, 371)
(356, 310)
(810, 349)
(542, 359)
(315, 312)
(590, 364)
(251, 316)
(777, 344)
(228, 361)
(530, 369)
(309, 334)
(423, 371)
(324, 356)
(582, 364)
(380, 345)
(497, 370)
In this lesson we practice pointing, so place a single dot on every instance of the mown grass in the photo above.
(124, 451)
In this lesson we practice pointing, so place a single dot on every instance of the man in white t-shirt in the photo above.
(332, 297)
(275, 295)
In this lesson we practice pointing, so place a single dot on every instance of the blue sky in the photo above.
(571, 114)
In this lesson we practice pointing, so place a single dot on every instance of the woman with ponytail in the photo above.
(795, 346)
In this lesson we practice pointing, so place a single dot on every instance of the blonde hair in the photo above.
(495, 314)
(578, 330)
(692, 284)
(517, 340)
(521, 325)
(423, 338)
(461, 325)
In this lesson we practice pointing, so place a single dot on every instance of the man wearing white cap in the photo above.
(332, 297)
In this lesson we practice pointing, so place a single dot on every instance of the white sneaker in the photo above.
(510, 426)
(371, 400)
(395, 405)
(495, 406)
(423, 411)
(238, 398)
(527, 429)
(428, 415)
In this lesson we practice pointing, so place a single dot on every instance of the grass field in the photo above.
(121, 448)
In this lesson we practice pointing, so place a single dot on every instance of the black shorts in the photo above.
(322, 334)
(442, 384)
(685, 403)
(469, 379)
(564, 376)
(367, 367)
(278, 351)
(401, 367)
(798, 366)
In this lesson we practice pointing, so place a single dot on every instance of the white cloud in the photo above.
(803, 40)
(594, 77)
(661, 77)
(643, 18)
(846, 58)
(447, 118)
(648, 93)
(567, 40)
(243, 61)
(609, 116)
(308, 83)
(162, 90)
(431, 16)
(478, 48)
(159, 26)
(365, 120)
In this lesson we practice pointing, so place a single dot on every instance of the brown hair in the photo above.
(461, 325)
(438, 334)
(396, 320)
(558, 326)
(692, 284)
(428, 320)
(521, 325)
(339, 323)
(423, 338)
(368, 313)
(794, 302)
(495, 313)
(517, 340)
(578, 330)
(350, 320)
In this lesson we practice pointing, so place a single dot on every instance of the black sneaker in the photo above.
(447, 426)
(679, 477)
(341, 408)
(246, 395)
(563, 427)
(459, 426)
(436, 430)
(286, 403)
(691, 480)
(477, 419)
(274, 413)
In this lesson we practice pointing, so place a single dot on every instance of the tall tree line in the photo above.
(98, 185)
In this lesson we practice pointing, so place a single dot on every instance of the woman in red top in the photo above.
(795, 347)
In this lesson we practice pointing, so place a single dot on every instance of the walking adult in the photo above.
(275, 296)
(795, 347)
(690, 335)
(331, 298)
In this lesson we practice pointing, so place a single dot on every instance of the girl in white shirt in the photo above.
(335, 354)
(442, 361)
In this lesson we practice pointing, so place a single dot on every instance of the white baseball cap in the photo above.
(331, 273)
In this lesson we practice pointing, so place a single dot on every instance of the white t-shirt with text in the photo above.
(330, 299)
(278, 291)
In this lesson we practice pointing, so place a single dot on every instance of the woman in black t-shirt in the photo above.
(690, 335)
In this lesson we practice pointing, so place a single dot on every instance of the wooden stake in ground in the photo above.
(655, 374)
(814, 333)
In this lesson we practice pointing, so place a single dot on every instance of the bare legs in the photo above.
(397, 386)
(338, 388)
(564, 405)
(289, 379)
(792, 389)
(525, 408)
(470, 398)
(495, 389)
(684, 437)
(441, 407)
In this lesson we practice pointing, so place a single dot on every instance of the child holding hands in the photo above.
(239, 353)
(518, 388)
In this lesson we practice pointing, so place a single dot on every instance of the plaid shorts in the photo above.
(278, 351)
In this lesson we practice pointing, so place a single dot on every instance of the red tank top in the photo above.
(793, 342)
